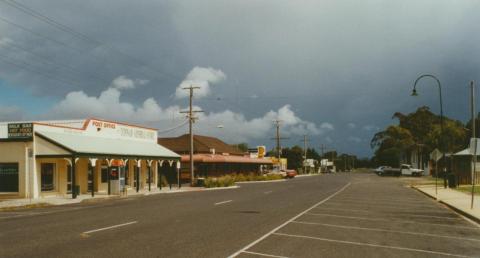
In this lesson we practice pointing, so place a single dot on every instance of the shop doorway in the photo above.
(167, 175)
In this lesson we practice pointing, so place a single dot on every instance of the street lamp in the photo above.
(414, 93)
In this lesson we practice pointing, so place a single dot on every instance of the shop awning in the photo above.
(84, 145)
(217, 158)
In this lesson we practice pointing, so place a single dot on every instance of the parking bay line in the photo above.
(376, 204)
(385, 230)
(388, 220)
(371, 245)
(218, 203)
(110, 227)
(262, 254)
(407, 215)
(288, 221)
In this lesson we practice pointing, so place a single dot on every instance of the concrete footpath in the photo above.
(459, 201)
(7, 204)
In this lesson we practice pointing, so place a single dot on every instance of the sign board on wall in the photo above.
(20, 131)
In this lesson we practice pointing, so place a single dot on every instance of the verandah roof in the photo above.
(99, 146)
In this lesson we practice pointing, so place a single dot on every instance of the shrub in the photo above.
(222, 181)
(240, 178)
(274, 176)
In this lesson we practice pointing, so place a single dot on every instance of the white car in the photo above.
(407, 170)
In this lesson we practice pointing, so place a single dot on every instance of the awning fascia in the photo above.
(96, 155)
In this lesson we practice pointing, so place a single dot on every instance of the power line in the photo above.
(173, 128)
(29, 11)
(40, 35)
(27, 67)
(50, 61)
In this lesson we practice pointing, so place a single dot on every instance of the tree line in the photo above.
(419, 130)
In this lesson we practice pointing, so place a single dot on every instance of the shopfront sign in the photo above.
(20, 131)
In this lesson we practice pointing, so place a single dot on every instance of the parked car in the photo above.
(404, 170)
(290, 173)
(380, 170)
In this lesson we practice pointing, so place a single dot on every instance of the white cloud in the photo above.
(78, 104)
(123, 83)
(201, 77)
(236, 127)
(351, 125)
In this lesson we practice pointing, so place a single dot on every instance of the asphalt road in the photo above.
(335, 215)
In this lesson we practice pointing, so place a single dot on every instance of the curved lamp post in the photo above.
(414, 93)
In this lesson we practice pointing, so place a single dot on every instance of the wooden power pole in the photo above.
(277, 140)
(191, 120)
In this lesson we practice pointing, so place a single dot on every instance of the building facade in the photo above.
(68, 158)
(213, 157)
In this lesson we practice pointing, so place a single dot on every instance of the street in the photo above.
(332, 215)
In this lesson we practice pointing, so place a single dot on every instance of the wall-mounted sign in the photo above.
(20, 131)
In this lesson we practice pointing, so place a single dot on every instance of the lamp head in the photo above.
(414, 92)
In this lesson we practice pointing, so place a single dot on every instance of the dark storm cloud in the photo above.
(339, 62)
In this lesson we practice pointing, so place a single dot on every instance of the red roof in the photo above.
(217, 158)
(201, 144)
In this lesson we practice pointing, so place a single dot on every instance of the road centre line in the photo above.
(385, 230)
(288, 221)
(267, 192)
(110, 227)
(218, 203)
(263, 254)
(371, 245)
(388, 220)
(386, 213)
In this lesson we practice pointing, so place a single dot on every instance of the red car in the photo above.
(290, 173)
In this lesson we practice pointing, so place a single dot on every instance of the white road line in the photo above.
(386, 230)
(218, 203)
(111, 227)
(262, 254)
(388, 220)
(267, 192)
(371, 245)
(288, 221)
(408, 215)
(382, 203)
(376, 204)
(401, 201)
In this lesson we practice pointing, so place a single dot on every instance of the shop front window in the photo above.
(48, 176)
(8, 177)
